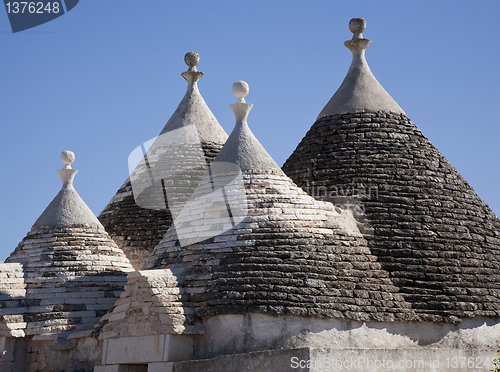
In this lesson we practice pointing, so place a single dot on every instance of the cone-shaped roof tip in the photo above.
(193, 110)
(242, 147)
(67, 209)
(360, 91)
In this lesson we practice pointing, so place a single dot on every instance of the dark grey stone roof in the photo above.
(425, 225)
(423, 222)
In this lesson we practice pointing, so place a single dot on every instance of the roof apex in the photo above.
(67, 209)
(193, 110)
(242, 147)
(360, 91)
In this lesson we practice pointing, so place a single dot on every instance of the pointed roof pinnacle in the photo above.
(360, 91)
(192, 75)
(241, 90)
(357, 26)
(67, 209)
(242, 148)
(67, 158)
(193, 110)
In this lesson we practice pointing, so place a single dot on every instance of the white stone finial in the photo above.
(241, 108)
(357, 27)
(241, 90)
(67, 173)
(192, 59)
(67, 158)
(360, 91)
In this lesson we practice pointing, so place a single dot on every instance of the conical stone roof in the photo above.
(424, 223)
(166, 175)
(250, 241)
(73, 271)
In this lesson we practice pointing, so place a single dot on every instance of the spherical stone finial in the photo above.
(241, 89)
(357, 25)
(67, 158)
(192, 59)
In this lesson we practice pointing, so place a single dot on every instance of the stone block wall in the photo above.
(153, 303)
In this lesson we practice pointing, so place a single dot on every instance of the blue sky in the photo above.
(105, 77)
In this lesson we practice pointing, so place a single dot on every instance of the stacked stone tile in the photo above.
(73, 272)
(143, 208)
(423, 222)
(268, 247)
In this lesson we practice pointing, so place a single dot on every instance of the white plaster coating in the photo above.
(229, 334)
(127, 350)
(121, 368)
(360, 91)
(67, 209)
(242, 148)
(193, 110)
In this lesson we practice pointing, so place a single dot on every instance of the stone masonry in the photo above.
(291, 255)
(153, 303)
(13, 298)
(427, 227)
(269, 247)
(438, 240)
(72, 277)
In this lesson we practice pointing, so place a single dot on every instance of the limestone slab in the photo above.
(142, 349)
